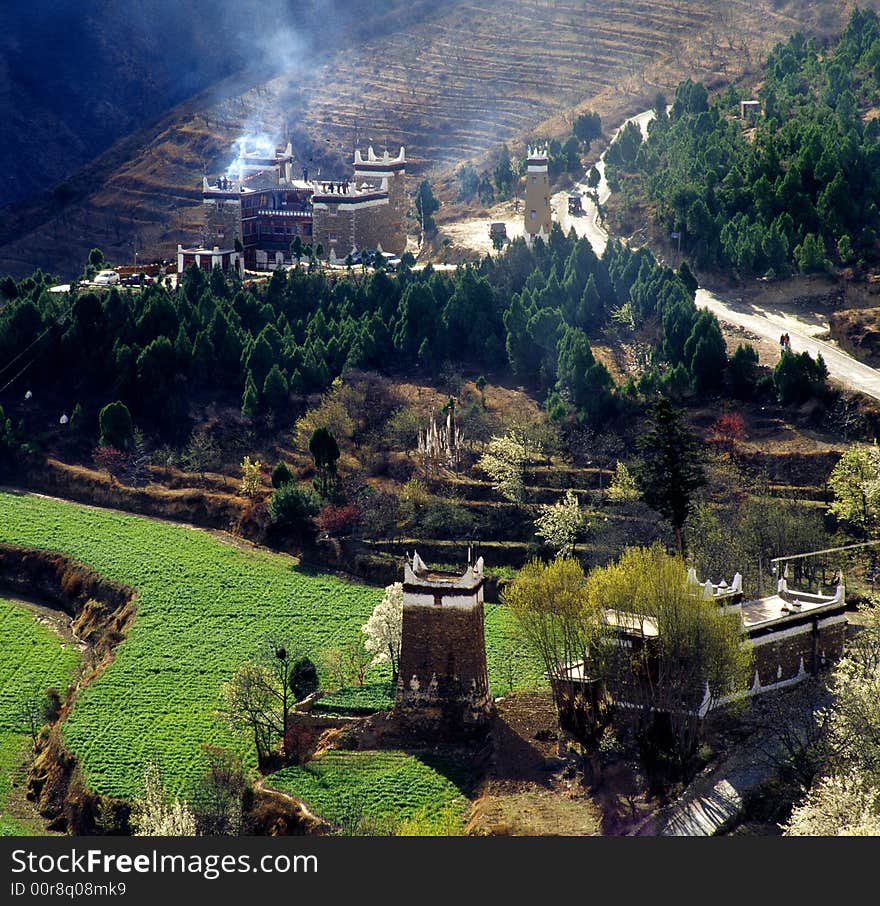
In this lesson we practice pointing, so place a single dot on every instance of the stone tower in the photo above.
(443, 675)
(537, 203)
(385, 173)
(222, 211)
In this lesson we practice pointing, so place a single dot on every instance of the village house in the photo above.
(793, 634)
(266, 208)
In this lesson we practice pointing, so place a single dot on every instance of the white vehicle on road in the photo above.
(107, 278)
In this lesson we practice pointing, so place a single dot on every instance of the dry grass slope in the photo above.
(461, 77)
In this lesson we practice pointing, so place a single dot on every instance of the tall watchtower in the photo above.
(443, 671)
(385, 173)
(537, 206)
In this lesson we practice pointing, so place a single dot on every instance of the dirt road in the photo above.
(763, 320)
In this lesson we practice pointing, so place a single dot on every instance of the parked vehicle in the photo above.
(107, 278)
(575, 205)
(136, 280)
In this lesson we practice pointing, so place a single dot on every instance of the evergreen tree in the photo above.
(250, 400)
(275, 389)
(115, 426)
(325, 453)
(670, 470)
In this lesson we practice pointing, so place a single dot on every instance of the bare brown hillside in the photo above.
(462, 76)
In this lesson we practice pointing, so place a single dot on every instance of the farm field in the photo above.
(352, 789)
(34, 658)
(203, 607)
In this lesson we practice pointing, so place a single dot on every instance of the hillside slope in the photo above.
(451, 80)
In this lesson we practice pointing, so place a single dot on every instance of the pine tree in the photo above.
(250, 401)
(275, 388)
(670, 471)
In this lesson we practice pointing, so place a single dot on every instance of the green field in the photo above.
(351, 789)
(203, 608)
(34, 658)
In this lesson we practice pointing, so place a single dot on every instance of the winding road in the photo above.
(762, 320)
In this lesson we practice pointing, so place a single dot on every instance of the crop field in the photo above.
(34, 658)
(348, 788)
(203, 607)
(352, 700)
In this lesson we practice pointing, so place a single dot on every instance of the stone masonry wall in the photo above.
(780, 660)
(449, 644)
(222, 224)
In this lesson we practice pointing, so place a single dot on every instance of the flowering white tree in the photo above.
(154, 815)
(838, 806)
(623, 486)
(385, 628)
(504, 462)
(560, 523)
(847, 802)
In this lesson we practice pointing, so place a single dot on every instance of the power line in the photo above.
(828, 550)
(12, 380)
(33, 343)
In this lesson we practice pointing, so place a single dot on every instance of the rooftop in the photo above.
(632, 623)
(416, 572)
(786, 604)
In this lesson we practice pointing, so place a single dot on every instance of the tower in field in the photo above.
(443, 673)
(537, 202)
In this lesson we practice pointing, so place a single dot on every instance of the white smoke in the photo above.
(253, 143)
(282, 49)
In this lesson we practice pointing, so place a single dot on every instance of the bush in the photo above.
(337, 520)
(304, 678)
(797, 377)
(292, 506)
(110, 460)
(77, 419)
(742, 371)
(115, 425)
(441, 519)
(281, 475)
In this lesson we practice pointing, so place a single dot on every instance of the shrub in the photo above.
(110, 460)
(281, 475)
(292, 506)
(115, 425)
(337, 520)
(742, 371)
(304, 678)
(77, 418)
(250, 476)
(729, 429)
(797, 377)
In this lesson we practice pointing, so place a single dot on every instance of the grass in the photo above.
(203, 608)
(34, 658)
(353, 700)
(375, 790)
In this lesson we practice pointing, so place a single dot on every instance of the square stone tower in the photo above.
(443, 673)
(537, 204)
(386, 225)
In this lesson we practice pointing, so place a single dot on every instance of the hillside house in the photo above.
(266, 208)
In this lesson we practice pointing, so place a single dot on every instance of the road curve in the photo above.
(763, 321)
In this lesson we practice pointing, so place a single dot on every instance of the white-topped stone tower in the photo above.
(443, 648)
(537, 202)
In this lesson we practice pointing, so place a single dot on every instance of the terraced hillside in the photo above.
(462, 76)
